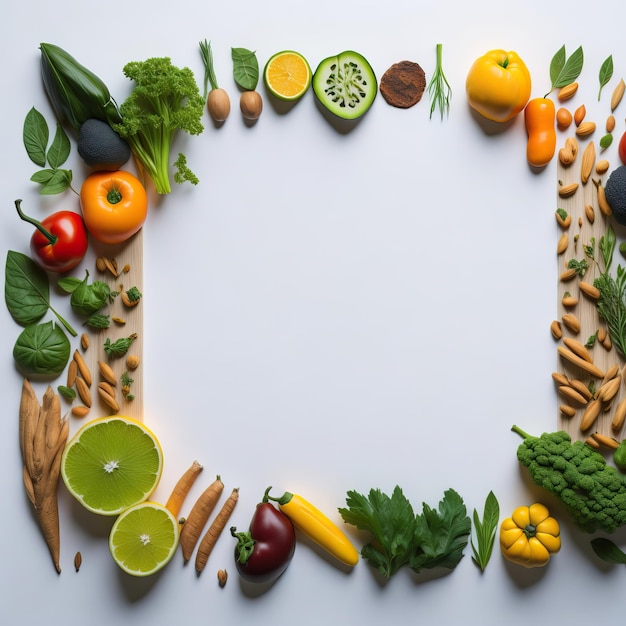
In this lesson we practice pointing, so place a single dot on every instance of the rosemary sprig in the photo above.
(439, 89)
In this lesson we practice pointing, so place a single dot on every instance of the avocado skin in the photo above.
(615, 191)
(101, 147)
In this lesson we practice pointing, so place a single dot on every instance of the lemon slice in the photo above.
(112, 463)
(287, 75)
(144, 538)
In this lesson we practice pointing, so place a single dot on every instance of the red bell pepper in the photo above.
(263, 553)
(60, 242)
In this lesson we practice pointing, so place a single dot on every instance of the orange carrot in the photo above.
(43, 435)
(182, 488)
(215, 530)
(198, 516)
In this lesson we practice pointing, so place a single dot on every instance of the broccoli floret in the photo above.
(593, 492)
(165, 99)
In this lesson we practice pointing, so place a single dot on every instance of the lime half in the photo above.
(111, 464)
(144, 538)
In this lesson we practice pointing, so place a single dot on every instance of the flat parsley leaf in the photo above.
(392, 522)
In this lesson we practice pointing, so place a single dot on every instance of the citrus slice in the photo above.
(287, 75)
(112, 463)
(144, 538)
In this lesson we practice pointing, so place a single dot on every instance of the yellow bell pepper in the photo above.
(530, 536)
(498, 85)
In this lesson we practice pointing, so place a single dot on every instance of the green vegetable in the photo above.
(98, 320)
(563, 70)
(75, 92)
(345, 84)
(36, 135)
(439, 89)
(42, 349)
(403, 539)
(608, 551)
(164, 101)
(120, 346)
(619, 455)
(593, 492)
(67, 392)
(606, 140)
(27, 291)
(88, 298)
(606, 73)
(485, 531)
(245, 68)
(611, 304)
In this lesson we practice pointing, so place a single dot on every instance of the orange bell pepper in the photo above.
(498, 85)
(114, 205)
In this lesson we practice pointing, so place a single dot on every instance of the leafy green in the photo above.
(441, 534)
(245, 68)
(42, 349)
(67, 392)
(36, 134)
(606, 73)
(606, 140)
(608, 551)
(164, 101)
(27, 291)
(434, 538)
(439, 89)
(485, 531)
(209, 71)
(119, 347)
(564, 70)
(88, 298)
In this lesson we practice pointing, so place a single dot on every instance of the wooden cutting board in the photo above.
(128, 257)
(582, 232)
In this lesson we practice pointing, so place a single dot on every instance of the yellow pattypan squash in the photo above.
(530, 536)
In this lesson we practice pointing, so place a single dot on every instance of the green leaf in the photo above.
(606, 141)
(390, 520)
(564, 72)
(245, 68)
(606, 73)
(52, 181)
(485, 531)
(59, 149)
(26, 288)
(608, 551)
(27, 291)
(68, 283)
(42, 349)
(442, 535)
(35, 136)
(557, 64)
(67, 392)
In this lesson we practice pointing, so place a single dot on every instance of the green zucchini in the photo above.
(345, 84)
(76, 93)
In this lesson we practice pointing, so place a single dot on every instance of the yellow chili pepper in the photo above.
(498, 85)
(317, 527)
(530, 536)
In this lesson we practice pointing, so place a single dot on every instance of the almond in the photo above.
(109, 400)
(590, 415)
(567, 92)
(568, 301)
(562, 244)
(602, 167)
(560, 379)
(619, 417)
(610, 124)
(588, 161)
(80, 410)
(567, 410)
(83, 391)
(565, 191)
(563, 118)
(83, 368)
(607, 442)
(574, 359)
(578, 348)
(589, 290)
(585, 129)
(571, 394)
(609, 389)
(555, 329)
(572, 322)
(106, 373)
(579, 114)
(618, 94)
(590, 213)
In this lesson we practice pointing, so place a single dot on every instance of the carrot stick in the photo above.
(215, 530)
(43, 434)
(199, 516)
(182, 488)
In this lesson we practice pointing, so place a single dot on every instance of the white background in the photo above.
(326, 311)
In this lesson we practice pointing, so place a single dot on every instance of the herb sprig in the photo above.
(439, 89)
(485, 531)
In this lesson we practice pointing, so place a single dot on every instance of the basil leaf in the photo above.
(42, 349)
(35, 136)
(26, 289)
(606, 141)
(556, 65)
(57, 183)
(68, 283)
(87, 299)
(608, 551)
(571, 69)
(59, 149)
(606, 73)
(245, 68)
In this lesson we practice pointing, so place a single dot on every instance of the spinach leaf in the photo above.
(27, 291)
(42, 349)
(245, 68)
